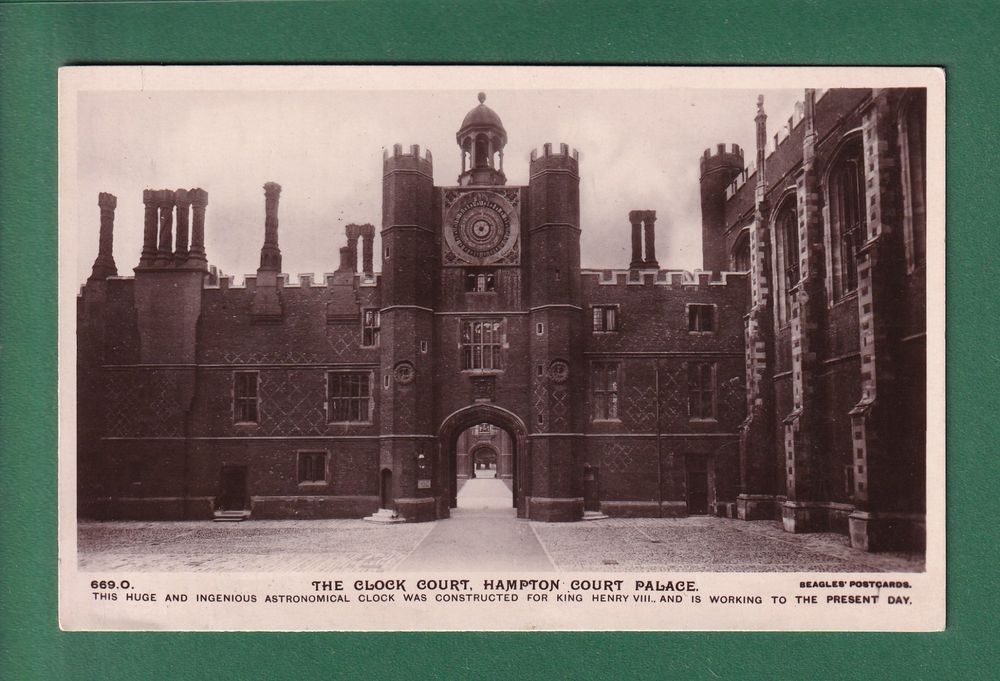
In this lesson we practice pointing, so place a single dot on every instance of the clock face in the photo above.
(481, 228)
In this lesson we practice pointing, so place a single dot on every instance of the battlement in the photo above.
(721, 158)
(407, 161)
(563, 153)
(670, 278)
(774, 144)
(307, 280)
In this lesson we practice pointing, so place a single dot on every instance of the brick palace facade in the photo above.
(785, 381)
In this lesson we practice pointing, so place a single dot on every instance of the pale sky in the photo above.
(639, 149)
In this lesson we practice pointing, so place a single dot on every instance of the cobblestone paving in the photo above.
(706, 545)
(613, 544)
(251, 546)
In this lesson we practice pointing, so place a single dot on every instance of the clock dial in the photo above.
(480, 228)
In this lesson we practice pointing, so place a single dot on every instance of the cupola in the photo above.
(482, 139)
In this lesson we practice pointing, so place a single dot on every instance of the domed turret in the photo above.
(482, 138)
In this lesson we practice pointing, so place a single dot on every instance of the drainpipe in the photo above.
(659, 456)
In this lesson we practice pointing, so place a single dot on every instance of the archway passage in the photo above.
(484, 446)
(483, 463)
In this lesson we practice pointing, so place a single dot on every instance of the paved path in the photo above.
(481, 535)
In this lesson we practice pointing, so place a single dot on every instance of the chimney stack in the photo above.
(649, 218)
(196, 253)
(635, 218)
(165, 203)
(183, 203)
(367, 244)
(353, 232)
(270, 254)
(104, 264)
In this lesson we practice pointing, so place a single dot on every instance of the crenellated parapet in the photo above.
(549, 160)
(413, 162)
(670, 278)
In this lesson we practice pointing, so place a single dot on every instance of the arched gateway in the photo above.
(474, 415)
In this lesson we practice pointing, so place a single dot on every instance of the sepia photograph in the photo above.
(412, 337)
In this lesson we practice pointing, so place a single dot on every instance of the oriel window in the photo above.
(245, 399)
(481, 343)
(604, 387)
(349, 396)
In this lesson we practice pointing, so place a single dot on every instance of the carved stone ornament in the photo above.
(559, 371)
(405, 373)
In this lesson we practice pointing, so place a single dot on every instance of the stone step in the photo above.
(593, 515)
(231, 516)
(385, 516)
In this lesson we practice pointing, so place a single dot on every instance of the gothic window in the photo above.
(787, 232)
(604, 387)
(312, 467)
(370, 327)
(605, 318)
(913, 150)
(701, 390)
(480, 281)
(741, 253)
(348, 396)
(701, 318)
(847, 217)
(245, 399)
(481, 344)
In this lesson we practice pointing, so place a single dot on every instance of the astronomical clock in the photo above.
(481, 227)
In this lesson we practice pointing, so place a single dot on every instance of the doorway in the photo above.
(591, 490)
(385, 496)
(697, 492)
(232, 488)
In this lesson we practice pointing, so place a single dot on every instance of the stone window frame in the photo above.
(606, 413)
(838, 279)
(713, 316)
(698, 390)
(303, 455)
(371, 327)
(616, 318)
(467, 346)
(785, 219)
(914, 213)
(239, 400)
(370, 397)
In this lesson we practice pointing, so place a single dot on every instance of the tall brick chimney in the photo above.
(367, 245)
(265, 306)
(649, 221)
(104, 264)
(353, 232)
(270, 254)
(635, 219)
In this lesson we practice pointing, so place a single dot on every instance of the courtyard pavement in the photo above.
(482, 535)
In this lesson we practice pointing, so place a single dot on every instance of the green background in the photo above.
(37, 38)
